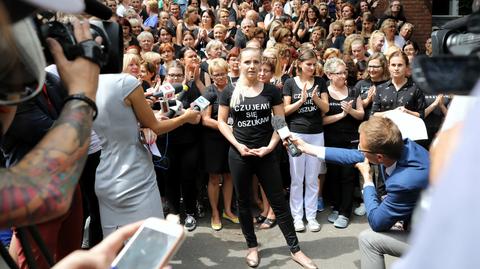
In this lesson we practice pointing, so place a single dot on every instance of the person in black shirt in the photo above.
(306, 99)
(341, 130)
(399, 92)
(252, 137)
(215, 148)
(377, 73)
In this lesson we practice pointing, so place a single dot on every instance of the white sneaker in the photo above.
(360, 210)
(314, 226)
(299, 226)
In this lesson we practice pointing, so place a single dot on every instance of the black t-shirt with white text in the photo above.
(346, 129)
(308, 118)
(252, 116)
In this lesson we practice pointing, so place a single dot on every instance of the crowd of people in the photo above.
(326, 66)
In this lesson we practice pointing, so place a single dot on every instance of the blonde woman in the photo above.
(215, 149)
(252, 141)
(376, 41)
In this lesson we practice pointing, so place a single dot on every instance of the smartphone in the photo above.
(152, 246)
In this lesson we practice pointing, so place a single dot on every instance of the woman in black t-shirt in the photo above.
(377, 73)
(215, 148)
(341, 130)
(306, 99)
(252, 141)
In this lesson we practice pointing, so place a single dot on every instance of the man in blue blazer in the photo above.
(404, 165)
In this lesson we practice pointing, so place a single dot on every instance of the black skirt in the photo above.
(215, 152)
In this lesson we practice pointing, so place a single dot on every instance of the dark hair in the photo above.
(211, 15)
(315, 9)
(149, 66)
(414, 45)
(125, 22)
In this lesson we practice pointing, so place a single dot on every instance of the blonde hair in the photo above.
(331, 52)
(216, 64)
(151, 57)
(239, 91)
(375, 34)
(332, 64)
(130, 58)
(274, 51)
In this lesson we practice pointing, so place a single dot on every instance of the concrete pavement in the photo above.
(330, 248)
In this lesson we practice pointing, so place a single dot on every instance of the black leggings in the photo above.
(268, 173)
(181, 176)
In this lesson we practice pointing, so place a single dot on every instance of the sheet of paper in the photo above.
(154, 150)
(410, 126)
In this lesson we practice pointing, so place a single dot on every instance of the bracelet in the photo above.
(84, 98)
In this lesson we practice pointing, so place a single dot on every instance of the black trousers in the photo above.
(181, 177)
(90, 201)
(341, 180)
(268, 173)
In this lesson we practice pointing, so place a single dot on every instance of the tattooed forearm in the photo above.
(41, 185)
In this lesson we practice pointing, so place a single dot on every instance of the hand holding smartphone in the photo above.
(152, 246)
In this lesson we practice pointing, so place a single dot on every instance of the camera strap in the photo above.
(22, 234)
(90, 50)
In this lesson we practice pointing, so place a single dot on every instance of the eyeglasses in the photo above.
(363, 150)
(374, 66)
(219, 75)
(175, 75)
(341, 73)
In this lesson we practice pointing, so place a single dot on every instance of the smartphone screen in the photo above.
(147, 250)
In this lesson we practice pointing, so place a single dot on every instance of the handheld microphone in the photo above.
(202, 102)
(280, 126)
(175, 110)
(168, 91)
(97, 9)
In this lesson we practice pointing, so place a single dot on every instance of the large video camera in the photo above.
(109, 57)
(24, 46)
(455, 65)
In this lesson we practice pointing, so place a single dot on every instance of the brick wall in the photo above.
(418, 12)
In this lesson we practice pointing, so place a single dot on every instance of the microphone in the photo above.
(280, 126)
(202, 102)
(97, 9)
(168, 91)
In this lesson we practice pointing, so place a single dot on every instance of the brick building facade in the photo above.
(418, 12)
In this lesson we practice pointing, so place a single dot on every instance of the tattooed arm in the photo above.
(40, 187)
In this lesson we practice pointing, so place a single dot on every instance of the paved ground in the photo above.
(330, 248)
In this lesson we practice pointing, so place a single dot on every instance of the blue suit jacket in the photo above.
(403, 186)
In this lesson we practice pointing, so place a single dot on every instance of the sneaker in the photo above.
(341, 222)
(299, 226)
(320, 204)
(190, 223)
(314, 226)
(333, 216)
(360, 210)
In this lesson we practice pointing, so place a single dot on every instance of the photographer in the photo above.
(403, 164)
(48, 174)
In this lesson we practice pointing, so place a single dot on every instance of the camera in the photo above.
(110, 55)
(455, 65)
